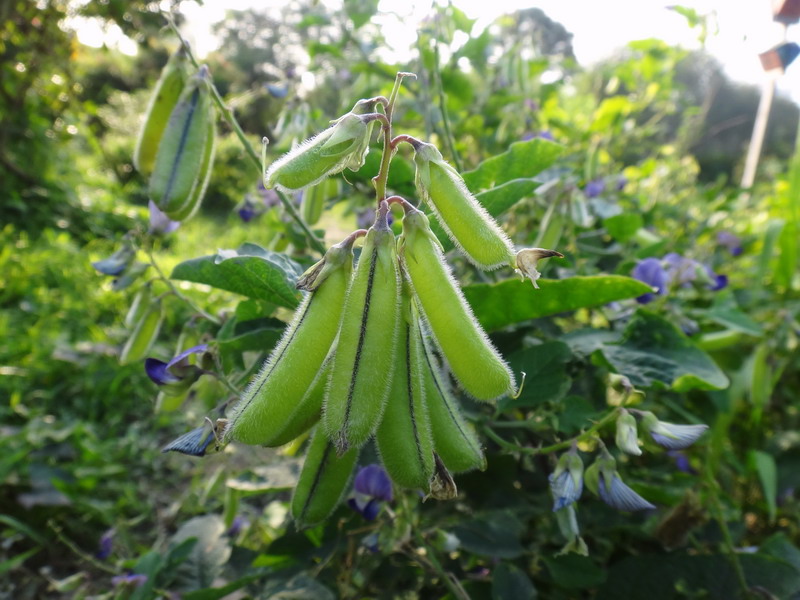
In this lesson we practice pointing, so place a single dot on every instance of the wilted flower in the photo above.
(670, 435)
(594, 188)
(177, 375)
(603, 479)
(371, 486)
(526, 260)
(651, 272)
(627, 437)
(105, 545)
(117, 262)
(730, 241)
(130, 580)
(197, 441)
(568, 525)
(160, 223)
(129, 276)
(566, 482)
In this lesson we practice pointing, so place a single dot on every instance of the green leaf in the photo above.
(726, 312)
(654, 353)
(509, 582)
(546, 378)
(236, 337)
(657, 577)
(199, 563)
(496, 201)
(360, 11)
(24, 528)
(522, 160)
(575, 572)
(764, 465)
(220, 592)
(623, 227)
(15, 561)
(250, 271)
(495, 535)
(497, 305)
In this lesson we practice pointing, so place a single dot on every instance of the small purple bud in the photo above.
(236, 527)
(594, 188)
(247, 211)
(105, 545)
(160, 223)
(681, 461)
(622, 181)
(177, 369)
(730, 241)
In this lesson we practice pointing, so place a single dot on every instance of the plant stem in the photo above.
(227, 114)
(589, 433)
(448, 134)
(386, 127)
(177, 292)
(457, 591)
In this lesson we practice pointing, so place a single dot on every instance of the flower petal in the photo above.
(565, 489)
(157, 371)
(193, 443)
(618, 495)
(199, 349)
(676, 437)
(373, 481)
(160, 223)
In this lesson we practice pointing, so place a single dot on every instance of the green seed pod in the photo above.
(180, 156)
(454, 440)
(404, 436)
(165, 96)
(314, 199)
(308, 410)
(271, 399)
(473, 360)
(199, 191)
(323, 481)
(328, 153)
(144, 334)
(472, 229)
(139, 305)
(362, 367)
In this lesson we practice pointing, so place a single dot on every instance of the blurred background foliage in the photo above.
(658, 130)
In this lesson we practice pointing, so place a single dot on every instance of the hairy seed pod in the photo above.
(192, 205)
(327, 153)
(179, 160)
(404, 436)
(323, 481)
(165, 96)
(139, 305)
(144, 334)
(268, 403)
(470, 355)
(308, 410)
(362, 367)
(455, 442)
(314, 199)
(472, 229)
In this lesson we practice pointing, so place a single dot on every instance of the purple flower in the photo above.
(105, 545)
(269, 197)
(616, 494)
(371, 486)
(669, 435)
(718, 282)
(247, 211)
(622, 181)
(129, 580)
(176, 376)
(731, 241)
(237, 525)
(594, 188)
(681, 461)
(651, 272)
(160, 223)
(566, 482)
(680, 270)
(119, 261)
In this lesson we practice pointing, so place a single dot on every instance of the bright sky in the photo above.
(739, 30)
